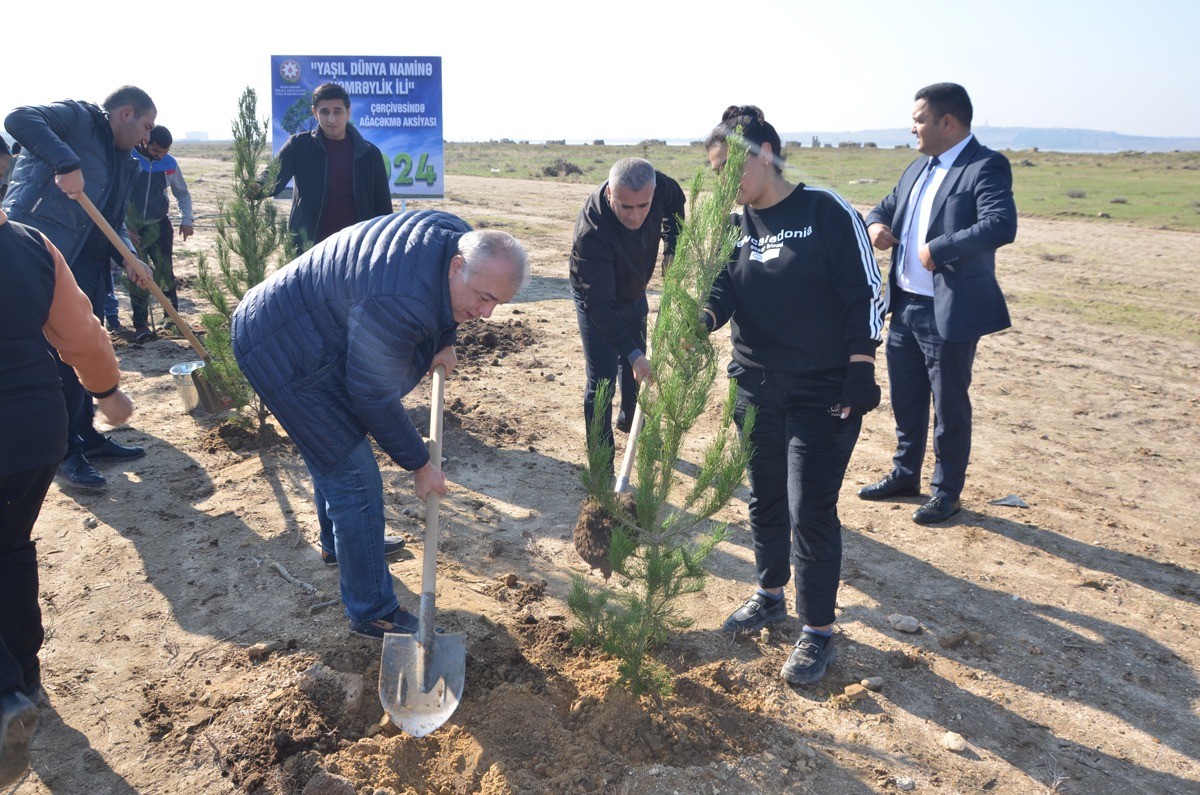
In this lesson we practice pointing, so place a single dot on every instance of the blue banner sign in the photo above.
(395, 102)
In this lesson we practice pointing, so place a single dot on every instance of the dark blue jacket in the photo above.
(57, 139)
(335, 340)
(973, 214)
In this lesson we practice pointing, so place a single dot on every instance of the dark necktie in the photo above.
(914, 216)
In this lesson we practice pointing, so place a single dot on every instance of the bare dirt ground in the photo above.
(1059, 640)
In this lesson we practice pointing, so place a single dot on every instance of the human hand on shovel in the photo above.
(72, 184)
(429, 480)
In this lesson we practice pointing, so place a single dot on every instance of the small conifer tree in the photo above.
(251, 239)
(654, 551)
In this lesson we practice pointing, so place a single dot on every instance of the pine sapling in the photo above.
(251, 240)
(657, 549)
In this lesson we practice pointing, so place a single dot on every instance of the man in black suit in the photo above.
(943, 222)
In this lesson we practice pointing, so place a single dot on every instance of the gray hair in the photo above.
(631, 173)
(478, 248)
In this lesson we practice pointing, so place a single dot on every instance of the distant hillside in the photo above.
(1047, 139)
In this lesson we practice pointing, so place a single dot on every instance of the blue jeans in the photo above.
(799, 458)
(111, 304)
(603, 362)
(921, 364)
(349, 501)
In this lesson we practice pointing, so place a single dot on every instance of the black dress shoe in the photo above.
(18, 722)
(939, 509)
(891, 486)
(80, 472)
(113, 449)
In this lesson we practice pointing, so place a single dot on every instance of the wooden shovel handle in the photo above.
(635, 428)
(127, 255)
(433, 501)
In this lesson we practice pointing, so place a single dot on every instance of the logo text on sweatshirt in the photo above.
(765, 249)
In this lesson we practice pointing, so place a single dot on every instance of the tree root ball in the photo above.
(593, 532)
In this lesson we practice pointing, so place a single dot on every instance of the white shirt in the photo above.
(912, 276)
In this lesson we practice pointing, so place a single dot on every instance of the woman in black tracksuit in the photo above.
(803, 296)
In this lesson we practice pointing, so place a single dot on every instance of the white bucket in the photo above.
(186, 385)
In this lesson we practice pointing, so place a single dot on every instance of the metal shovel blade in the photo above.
(421, 676)
(408, 666)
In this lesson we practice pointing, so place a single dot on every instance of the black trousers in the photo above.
(21, 633)
(94, 278)
(604, 363)
(797, 463)
(161, 254)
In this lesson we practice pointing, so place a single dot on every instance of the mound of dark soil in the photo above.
(481, 342)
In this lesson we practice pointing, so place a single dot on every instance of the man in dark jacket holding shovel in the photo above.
(70, 148)
(336, 340)
(617, 235)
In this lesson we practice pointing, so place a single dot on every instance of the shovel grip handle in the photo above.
(104, 226)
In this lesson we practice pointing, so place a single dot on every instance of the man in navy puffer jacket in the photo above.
(334, 342)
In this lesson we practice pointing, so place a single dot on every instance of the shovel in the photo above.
(104, 226)
(635, 427)
(421, 677)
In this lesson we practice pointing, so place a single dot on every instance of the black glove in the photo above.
(860, 393)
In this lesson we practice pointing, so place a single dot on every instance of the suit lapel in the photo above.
(953, 175)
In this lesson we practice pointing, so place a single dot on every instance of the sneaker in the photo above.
(79, 472)
(391, 545)
(142, 334)
(110, 448)
(758, 612)
(400, 622)
(18, 721)
(810, 657)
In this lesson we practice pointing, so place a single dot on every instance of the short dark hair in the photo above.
(631, 173)
(130, 95)
(756, 131)
(161, 136)
(943, 98)
(330, 91)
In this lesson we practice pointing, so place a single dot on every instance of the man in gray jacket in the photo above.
(335, 341)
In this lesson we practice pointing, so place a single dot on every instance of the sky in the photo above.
(622, 70)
